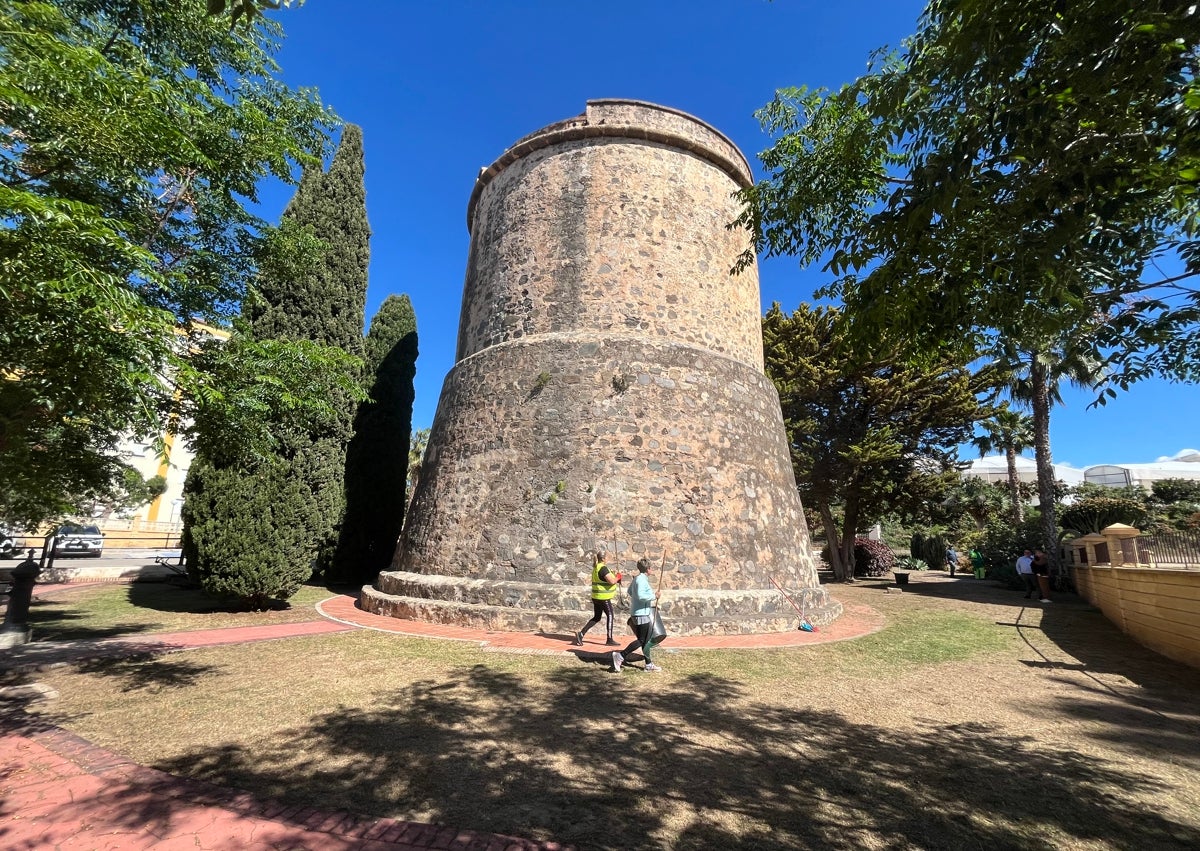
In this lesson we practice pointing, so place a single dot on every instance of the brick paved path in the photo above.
(59, 791)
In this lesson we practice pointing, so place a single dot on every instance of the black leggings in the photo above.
(600, 609)
(641, 632)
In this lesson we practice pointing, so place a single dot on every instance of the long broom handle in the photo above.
(785, 596)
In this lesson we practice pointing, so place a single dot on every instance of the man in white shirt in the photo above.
(1025, 571)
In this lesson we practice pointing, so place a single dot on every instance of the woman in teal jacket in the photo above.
(642, 601)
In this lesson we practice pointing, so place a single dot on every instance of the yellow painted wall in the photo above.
(1158, 608)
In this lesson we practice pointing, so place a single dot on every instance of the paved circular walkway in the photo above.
(60, 791)
(856, 621)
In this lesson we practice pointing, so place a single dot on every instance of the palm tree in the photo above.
(416, 456)
(1033, 373)
(1010, 432)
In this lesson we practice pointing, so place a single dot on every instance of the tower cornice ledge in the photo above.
(625, 119)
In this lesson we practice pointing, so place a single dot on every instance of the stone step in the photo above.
(692, 605)
(564, 621)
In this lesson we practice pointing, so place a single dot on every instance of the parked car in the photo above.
(8, 544)
(73, 539)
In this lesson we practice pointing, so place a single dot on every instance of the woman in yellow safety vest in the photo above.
(605, 584)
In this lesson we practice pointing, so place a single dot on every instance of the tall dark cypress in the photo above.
(327, 304)
(298, 495)
(377, 459)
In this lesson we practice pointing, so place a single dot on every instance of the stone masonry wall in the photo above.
(609, 394)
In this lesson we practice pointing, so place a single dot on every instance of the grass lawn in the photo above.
(970, 721)
(148, 607)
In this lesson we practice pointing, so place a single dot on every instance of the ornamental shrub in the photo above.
(934, 553)
(916, 547)
(872, 558)
(910, 563)
(1094, 513)
(242, 529)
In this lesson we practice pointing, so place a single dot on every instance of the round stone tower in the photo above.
(608, 395)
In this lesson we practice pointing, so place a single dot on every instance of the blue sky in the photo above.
(441, 89)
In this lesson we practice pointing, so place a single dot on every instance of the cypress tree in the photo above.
(242, 528)
(278, 517)
(377, 458)
(324, 304)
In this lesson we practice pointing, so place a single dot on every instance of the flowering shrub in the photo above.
(872, 558)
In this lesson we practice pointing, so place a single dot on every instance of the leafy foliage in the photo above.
(1171, 491)
(378, 457)
(1012, 180)
(1008, 188)
(417, 445)
(1011, 433)
(872, 558)
(134, 135)
(247, 10)
(243, 529)
(305, 300)
(1003, 543)
(1092, 514)
(868, 431)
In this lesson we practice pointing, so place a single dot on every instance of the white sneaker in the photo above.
(618, 661)
(1045, 600)
(650, 666)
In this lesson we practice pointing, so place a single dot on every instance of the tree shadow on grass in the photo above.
(54, 620)
(147, 672)
(1144, 702)
(171, 597)
(604, 762)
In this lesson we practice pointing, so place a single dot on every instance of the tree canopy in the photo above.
(135, 135)
(378, 457)
(314, 299)
(869, 432)
(1022, 176)
(1014, 178)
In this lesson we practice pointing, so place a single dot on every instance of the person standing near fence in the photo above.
(1041, 572)
(1025, 571)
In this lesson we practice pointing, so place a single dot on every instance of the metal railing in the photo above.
(1166, 549)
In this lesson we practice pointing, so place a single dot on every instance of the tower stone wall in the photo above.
(608, 394)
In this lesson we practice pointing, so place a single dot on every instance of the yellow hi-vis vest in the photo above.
(602, 590)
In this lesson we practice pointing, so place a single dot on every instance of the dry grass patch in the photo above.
(148, 607)
(964, 724)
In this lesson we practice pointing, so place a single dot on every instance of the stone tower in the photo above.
(608, 394)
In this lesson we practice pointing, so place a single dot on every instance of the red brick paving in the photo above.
(60, 791)
(855, 622)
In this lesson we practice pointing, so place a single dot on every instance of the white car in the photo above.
(72, 539)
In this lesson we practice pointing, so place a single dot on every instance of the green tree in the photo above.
(1092, 513)
(307, 296)
(134, 136)
(1010, 432)
(1000, 184)
(322, 302)
(416, 457)
(247, 10)
(377, 460)
(868, 431)
(242, 530)
(1171, 491)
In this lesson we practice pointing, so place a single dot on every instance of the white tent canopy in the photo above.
(994, 468)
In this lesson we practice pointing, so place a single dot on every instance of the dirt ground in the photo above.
(974, 720)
